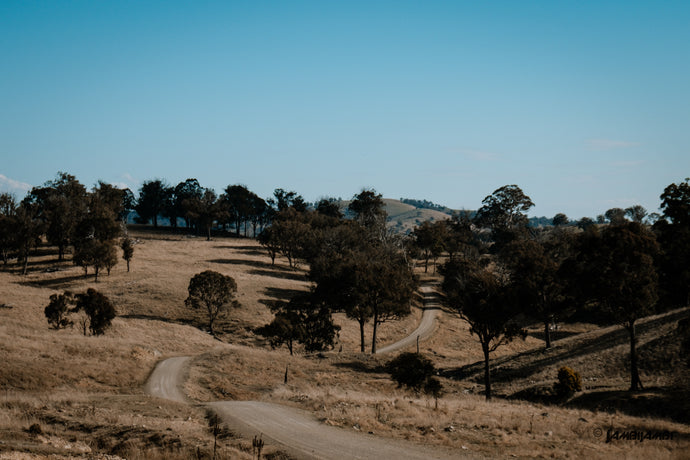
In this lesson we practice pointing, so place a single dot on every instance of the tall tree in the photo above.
(636, 213)
(503, 213)
(152, 201)
(237, 203)
(560, 219)
(28, 229)
(213, 292)
(431, 239)
(365, 280)
(673, 232)
(185, 192)
(60, 205)
(368, 210)
(538, 285)
(615, 268)
(97, 231)
(8, 209)
(204, 211)
(329, 207)
(484, 298)
(127, 247)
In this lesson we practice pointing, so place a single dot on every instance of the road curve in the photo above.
(299, 431)
(166, 379)
(432, 305)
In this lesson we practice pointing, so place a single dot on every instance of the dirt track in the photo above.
(298, 431)
(426, 325)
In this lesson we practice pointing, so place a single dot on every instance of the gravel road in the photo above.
(301, 434)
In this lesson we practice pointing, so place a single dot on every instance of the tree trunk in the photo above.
(547, 333)
(127, 265)
(96, 270)
(635, 382)
(208, 233)
(373, 335)
(487, 375)
(26, 263)
(361, 335)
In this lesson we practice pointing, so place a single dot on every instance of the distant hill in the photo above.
(403, 217)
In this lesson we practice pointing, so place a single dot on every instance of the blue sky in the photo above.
(584, 105)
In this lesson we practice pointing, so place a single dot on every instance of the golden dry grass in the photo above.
(85, 392)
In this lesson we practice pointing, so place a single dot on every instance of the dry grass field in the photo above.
(84, 398)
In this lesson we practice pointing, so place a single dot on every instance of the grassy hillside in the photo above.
(85, 393)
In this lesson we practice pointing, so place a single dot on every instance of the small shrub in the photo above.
(569, 381)
(35, 429)
(411, 370)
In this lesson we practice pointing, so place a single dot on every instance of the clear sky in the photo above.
(583, 104)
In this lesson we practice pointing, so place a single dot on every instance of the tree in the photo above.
(675, 203)
(57, 310)
(535, 276)
(269, 240)
(127, 250)
(153, 196)
(368, 210)
(504, 208)
(8, 210)
(430, 239)
(60, 204)
(411, 370)
(560, 219)
(186, 192)
(28, 229)
(615, 216)
(283, 200)
(98, 309)
(214, 292)
(503, 213)
(585, 223)
(237, 203)
(96, 233)
(204, 211)
(484, 298)
(329, 207)
(365, 280)
(673, 232)
(615, 268)
(636, 213)
(302, 320)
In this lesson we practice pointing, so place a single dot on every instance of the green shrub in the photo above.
(569, 381)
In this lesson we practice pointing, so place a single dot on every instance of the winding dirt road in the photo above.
(432, 305)
(297, 431)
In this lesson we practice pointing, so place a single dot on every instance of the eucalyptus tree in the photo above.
(484, 297)
(614, 268)
(503, 212)
(153, 196)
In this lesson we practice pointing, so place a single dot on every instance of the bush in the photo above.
(569, 381)
(411, 370)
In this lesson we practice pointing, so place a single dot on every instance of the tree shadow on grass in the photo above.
(281, 293)
(670, 404)
(280, 274)
(60, 283)
(248, 250)
(372, 367)
(525, 364)
(250, 263)
(555, 335)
